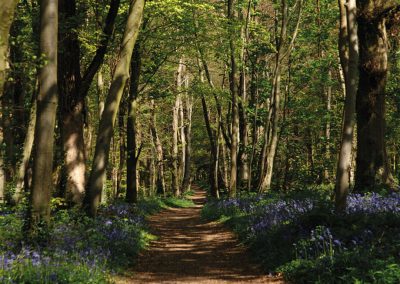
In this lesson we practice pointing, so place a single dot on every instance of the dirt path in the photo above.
(190, 250)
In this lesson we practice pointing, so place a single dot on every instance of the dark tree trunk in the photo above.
(213, 172)
(132, 158)
(372, 162)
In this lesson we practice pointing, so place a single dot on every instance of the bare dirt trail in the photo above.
(191, 250)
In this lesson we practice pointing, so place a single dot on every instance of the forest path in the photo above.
(191, 250)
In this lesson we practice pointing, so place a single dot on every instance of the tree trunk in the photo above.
(234, 96)
(213, 172)
(26, 153)
(160, 181)
(271, 135)
(132, 158)
(6, 16)
(175, 130)
(72, 105)
(188, 143)
(107, 121)
(348, 37)
(372, 162)
(42, 183)
(122, 147)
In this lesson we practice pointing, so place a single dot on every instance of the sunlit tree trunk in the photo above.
(159, 172)
(348, 40)
(107, 121)
(188, 110)
(72, 104)
(42, 184)
(175, 130)
(233, 80)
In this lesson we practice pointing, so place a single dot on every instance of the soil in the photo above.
(191, 250)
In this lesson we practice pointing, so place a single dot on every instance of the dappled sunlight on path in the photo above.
(191, 250)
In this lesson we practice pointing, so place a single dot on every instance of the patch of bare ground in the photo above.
(191, 250)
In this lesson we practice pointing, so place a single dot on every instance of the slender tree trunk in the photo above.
(271, 135)
(6, 16)
(182, 160)
(122, 147)
(372, 162)
(159, 152)
(328, 129)
(132, 158)
(213, 172)
(107, 120)
(42, 183)
(188, 143)
(348, 37)
(235, 111)
(175, 130)
(26, 153)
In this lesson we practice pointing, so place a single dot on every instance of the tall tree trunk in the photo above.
(122, 147)
(72, 104)
(132, 158)
(182, 159)
(188, 143)
(233, 80)
(273, 120)
(372, 162)
(175, 130)
(160, 180)
(328, 129)
(6, 16)
(349, 38)
(213, 172)
(42, 183)
(107, 121)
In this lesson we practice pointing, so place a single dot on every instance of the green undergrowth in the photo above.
(299, 235)
(79, 249)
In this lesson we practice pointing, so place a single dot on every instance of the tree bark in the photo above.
(349, 61)
(42, 183)
(26, 153)
(372, 162)
(71, 104)
(107, 121)
(271, 135)
(160, 180)
(188, 110)
(132, 158)
(6, 16)
(175, 130)
(233, 85)
(213, 172)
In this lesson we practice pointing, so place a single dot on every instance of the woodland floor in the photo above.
(191, 250)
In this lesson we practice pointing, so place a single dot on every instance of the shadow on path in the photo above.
(191, 250)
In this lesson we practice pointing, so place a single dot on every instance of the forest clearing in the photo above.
(199, 141)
